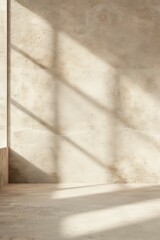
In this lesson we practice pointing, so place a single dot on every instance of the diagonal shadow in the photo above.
(58, 133)
(89, 99)
(46, 216)
(123, 232)
(123, 196)
(142, 229)
(21, 167)
(109, 41)
(73, 14)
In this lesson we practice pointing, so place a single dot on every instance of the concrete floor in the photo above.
(61, 212)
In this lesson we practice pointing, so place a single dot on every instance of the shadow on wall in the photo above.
(104, 109)
(24, 169)
(119, 32)
(124, 36)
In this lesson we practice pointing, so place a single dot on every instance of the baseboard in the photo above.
(3, 167)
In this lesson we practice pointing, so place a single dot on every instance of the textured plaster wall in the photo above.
(85, 91)
(3, 95)
(3, 73)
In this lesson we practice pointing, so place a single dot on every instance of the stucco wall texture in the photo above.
(85, 91)
(3, 73)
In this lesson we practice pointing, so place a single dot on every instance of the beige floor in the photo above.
(108, 212)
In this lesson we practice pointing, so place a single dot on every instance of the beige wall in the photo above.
(3, 95)
(85, 91)
(3, 73)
